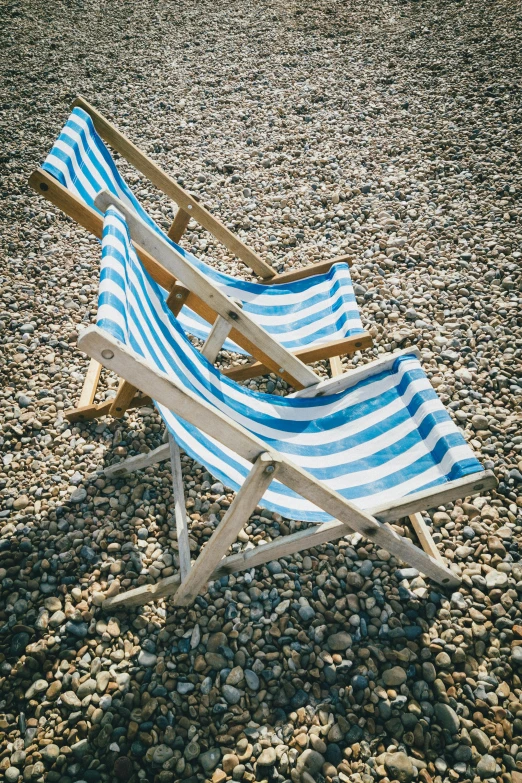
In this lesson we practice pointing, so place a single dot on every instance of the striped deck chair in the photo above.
(313, 317)
(349, 454)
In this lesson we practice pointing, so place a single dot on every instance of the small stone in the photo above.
(447, 717)
(147, 659)
(267, 758)
(394, 677)
(231, 694)
(480, 740)
(210, 759)
(50, 753)
(12, 775)
(339, 641)
(399, 767)
(487, 767)
(496, 579)
(21, 502)
(310, 761)
(78, 496)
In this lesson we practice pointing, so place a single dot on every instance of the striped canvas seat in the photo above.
(309, 312)
(386, 437)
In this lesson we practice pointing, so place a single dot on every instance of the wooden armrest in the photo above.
(309, 271)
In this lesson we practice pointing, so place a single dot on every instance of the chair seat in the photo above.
(304, 313)
(384, 438)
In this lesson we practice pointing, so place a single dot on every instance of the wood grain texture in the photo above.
(311, 270)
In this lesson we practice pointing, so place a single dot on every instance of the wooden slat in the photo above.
(348, 379)
(167, 390)
(180, 513)
(436, 496)
(91, 220)
(139, 462)
(124, 397)
(214, 342)
(171, 188)
(320, 268)
(264, 347)
(346, 347)
(88, 412)
(424, 536)
(179, 225)
(90, 384)
(336, 366)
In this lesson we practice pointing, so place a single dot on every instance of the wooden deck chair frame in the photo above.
(213, 562)
(188, 208)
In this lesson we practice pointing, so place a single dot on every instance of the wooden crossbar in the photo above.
(167, 391)
(344, 347)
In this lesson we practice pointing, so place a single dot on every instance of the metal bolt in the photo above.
(233, 315)
(43, 186)
(269, 469)
(179, 296)
(189, 206)
(281, 370)
(107, 354)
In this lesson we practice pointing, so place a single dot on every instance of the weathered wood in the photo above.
(139, 462)
(90, 384)
(170, 393)
(179, 225)
(346, 347)
(311, 270)
(90, 219)
(171, 188)
(253, 489)
(214, 342)
(264, 347)
(348, 379)
(424, 536)
(177, 298)
(336, 366)
(180, 513)
(436, 496)
(88, 412)
(124, 397)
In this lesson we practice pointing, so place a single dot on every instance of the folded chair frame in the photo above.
(267, 464)
(179, 295)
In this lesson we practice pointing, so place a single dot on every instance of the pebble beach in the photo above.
(388, 131)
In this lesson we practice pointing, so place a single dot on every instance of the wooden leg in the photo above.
(90, 384)
(424, 536)
(124, 397)
(253, 489)
(180, 513)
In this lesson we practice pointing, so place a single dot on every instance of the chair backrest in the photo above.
(386, 437)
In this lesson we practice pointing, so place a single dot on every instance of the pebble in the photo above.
(340, 651)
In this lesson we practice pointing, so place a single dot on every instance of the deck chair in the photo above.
(348, 455)
(310, 312)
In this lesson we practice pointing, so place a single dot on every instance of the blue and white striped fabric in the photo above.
(378, 441)
(308, 312)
